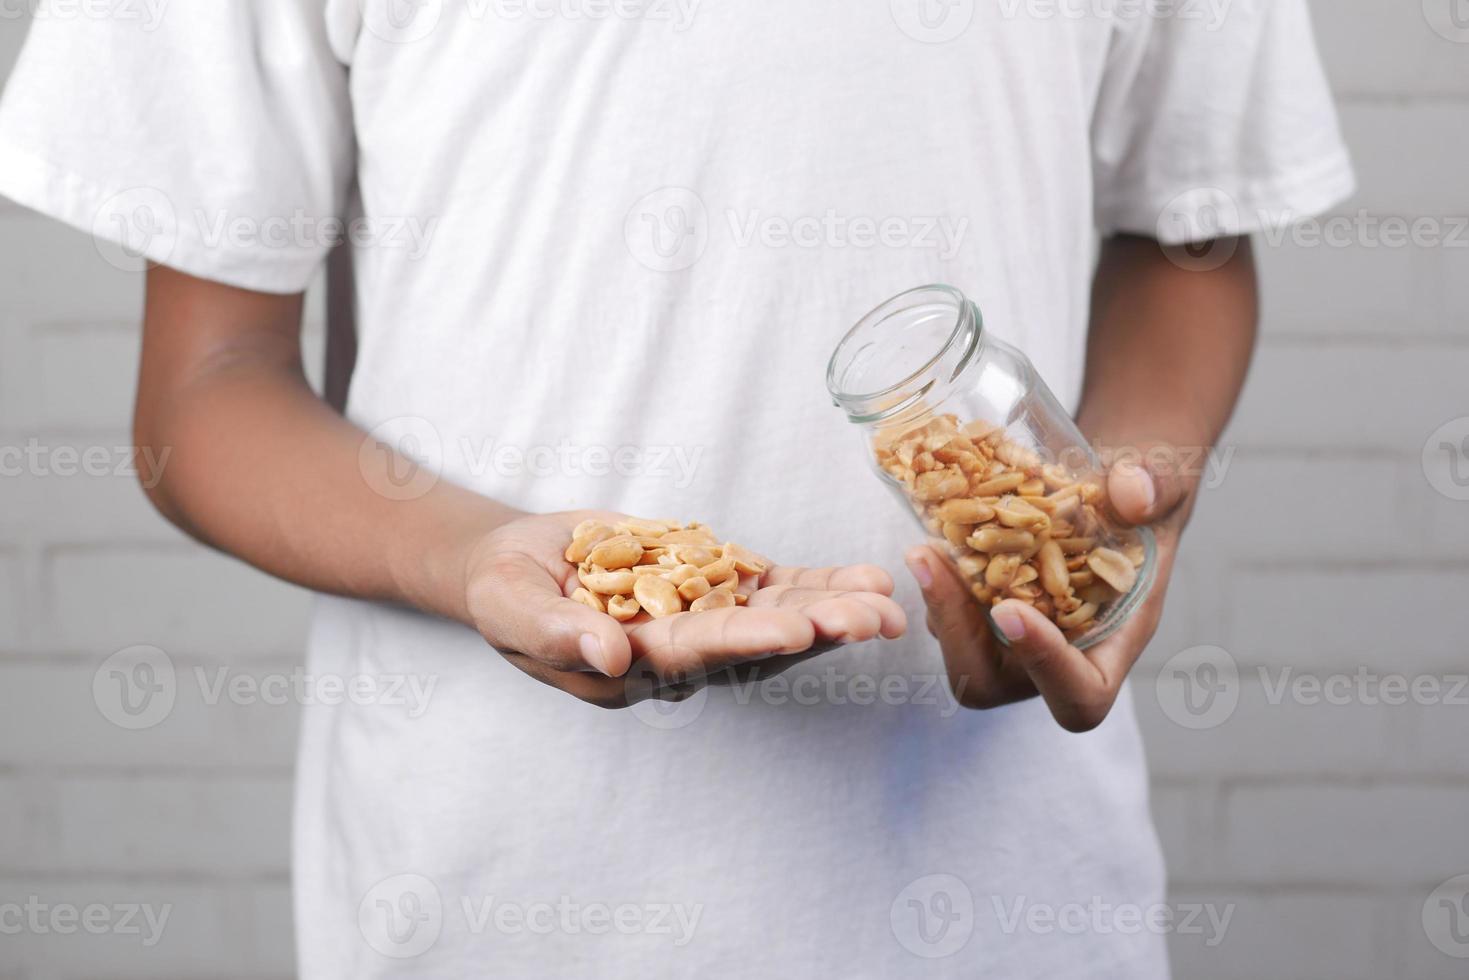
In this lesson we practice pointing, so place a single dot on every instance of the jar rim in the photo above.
(968, 322)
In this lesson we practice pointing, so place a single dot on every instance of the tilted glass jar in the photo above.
(959, 425)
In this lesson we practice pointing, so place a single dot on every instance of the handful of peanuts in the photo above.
(1016, 527)
(658, 567)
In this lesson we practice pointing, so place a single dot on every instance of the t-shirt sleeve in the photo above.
(1215, 125)
(215, 138)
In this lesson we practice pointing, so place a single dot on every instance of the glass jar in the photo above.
(959, 425)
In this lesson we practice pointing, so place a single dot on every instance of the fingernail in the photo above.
(920, 571)
(1009, 623)
(591, 651)
(1145, 479)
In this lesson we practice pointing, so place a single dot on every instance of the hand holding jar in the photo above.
(1039, 566)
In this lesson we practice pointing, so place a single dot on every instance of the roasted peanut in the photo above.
(1054, 577)
(745, 561)
(940, 484)
(607, 583)
(957, 534)
(972, 566)
(1113, 568)
(693, 588)
(1017, 526)
(696, 535)
(588, 535)
(719, 572)
(993, 540)
(682, 574)
(964, 510)
(1014, 512)
(1024, 591)
(657, 595)
(994, 487)
(1098, 593)
(715, 599)
(622, 551)
(661, 567)
(1001, 571)
(1018, 456)
(1077, 616)
(588, 598)
(695, 554)
(622, 608)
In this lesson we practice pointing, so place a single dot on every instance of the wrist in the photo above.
(434, 550)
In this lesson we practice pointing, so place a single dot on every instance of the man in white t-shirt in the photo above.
(607, 250)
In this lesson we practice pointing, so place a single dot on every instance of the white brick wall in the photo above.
(1323, 550)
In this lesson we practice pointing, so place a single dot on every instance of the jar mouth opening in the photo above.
(931, 311)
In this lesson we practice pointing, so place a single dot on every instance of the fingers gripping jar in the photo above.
(959, 425)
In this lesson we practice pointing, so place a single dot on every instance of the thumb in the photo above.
(1148, 488)
(525, 612)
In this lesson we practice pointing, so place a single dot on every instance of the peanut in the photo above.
(587, 536)
(961, 510)
(1014, 525)
(721, 571)
(690, 535)
(658, 596)
(1001, 571)
(588, 598)
(971, 566)
(659, 567)
(1077, 616)
(939, 484)
(1014, 512)
(716, 599)
(995, 539)
(745, 561)
(956, 534)
(622, 551)
(622, 608)
(693, 588)
(695, 554)
(1054, 577)
(605, 582)
(682, 574)
(1005, 483)
(1113, 568)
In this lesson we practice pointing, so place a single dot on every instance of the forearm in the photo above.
(1168, 348)
(258, 466)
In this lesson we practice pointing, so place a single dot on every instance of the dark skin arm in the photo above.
(1169, 346)
(258, 466)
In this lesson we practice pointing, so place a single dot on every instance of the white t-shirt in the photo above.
(611, 246)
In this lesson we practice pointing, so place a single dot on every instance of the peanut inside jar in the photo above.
(1015, 526)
